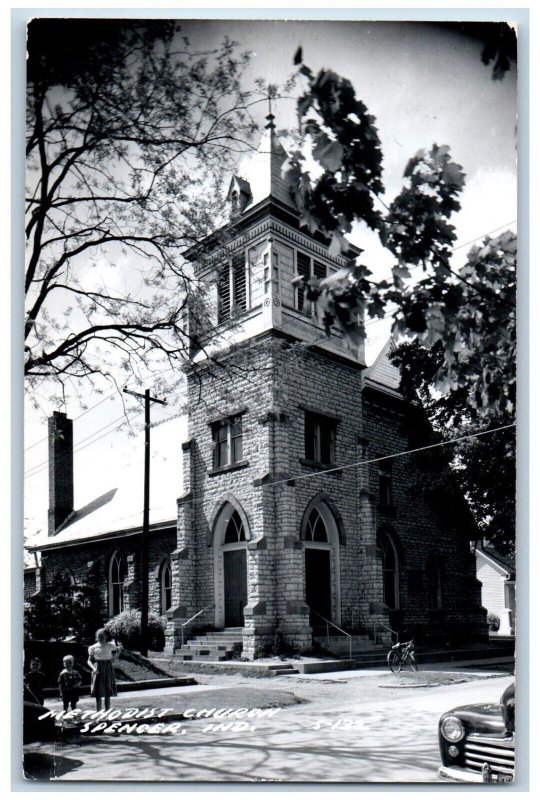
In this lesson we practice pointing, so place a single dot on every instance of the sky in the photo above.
(424, 85)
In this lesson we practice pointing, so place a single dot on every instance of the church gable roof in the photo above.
(382, 374)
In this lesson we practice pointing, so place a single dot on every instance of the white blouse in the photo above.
(103, 652)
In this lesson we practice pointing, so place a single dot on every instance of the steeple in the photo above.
(259, 174)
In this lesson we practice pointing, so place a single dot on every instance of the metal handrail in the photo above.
(377, 625)
(333, 624)
(183, 625)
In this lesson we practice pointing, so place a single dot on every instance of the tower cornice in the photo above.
(228, 237)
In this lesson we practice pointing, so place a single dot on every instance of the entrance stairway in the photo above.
(212, 646)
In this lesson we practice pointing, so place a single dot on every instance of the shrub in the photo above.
(126, 629)
(494, 622)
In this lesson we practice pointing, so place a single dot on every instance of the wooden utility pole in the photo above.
(146, 515)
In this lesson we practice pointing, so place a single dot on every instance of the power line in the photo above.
(44, 439)
(392, 455)
(365, 462)
(484, 234)
(77, 448)
(87, 411)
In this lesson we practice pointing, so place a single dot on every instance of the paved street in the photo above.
(354, 728)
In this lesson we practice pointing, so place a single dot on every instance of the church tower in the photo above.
(268, 532)
(279, 534)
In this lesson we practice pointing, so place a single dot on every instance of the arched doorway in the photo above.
(230, 554)
(321, 564)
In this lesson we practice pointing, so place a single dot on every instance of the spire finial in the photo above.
(270, 117)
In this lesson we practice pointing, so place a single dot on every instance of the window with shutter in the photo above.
(303, 264)
(319, 270)
(232, 287)
(224, 294)
(239, 282)
(307, 268)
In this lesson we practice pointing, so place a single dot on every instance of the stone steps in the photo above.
(212, 646)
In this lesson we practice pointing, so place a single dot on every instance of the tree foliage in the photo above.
(62, 609)
(483, 467)
(127, 145)
(469, 311)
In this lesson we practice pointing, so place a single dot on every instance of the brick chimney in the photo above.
(60, 470)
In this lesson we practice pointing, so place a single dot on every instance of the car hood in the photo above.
(480, 715)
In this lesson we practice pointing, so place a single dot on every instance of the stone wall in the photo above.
(272, 383)
(421, 532)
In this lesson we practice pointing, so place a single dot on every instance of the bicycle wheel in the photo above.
(412, 662)
(394, 661)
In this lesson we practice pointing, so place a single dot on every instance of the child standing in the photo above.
(101, 657)
(69, 681)
(35, 682)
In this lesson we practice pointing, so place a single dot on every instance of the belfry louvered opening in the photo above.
(232, 287)
(307, 268)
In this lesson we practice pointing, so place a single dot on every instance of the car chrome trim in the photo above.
(462, 775)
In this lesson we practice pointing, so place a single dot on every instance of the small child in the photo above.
(69, 681)
(35, 682)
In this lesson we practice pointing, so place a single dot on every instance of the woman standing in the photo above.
(101, 658)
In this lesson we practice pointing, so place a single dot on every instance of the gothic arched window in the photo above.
(390, 569)
(234, 532)
(117, 576)
(165, 586)
(316, 528)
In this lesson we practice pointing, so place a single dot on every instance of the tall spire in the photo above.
(260, 172)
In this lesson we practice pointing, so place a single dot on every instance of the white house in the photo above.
(498, 577)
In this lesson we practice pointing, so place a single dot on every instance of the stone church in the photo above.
(297, 510)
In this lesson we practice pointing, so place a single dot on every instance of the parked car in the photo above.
(477, 742)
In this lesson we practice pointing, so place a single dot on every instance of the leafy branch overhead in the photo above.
(336, 176)
(126, 142)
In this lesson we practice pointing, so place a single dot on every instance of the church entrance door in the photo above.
(235, 585)
(318, 584)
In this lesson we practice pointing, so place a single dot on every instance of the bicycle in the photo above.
(402, 655)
